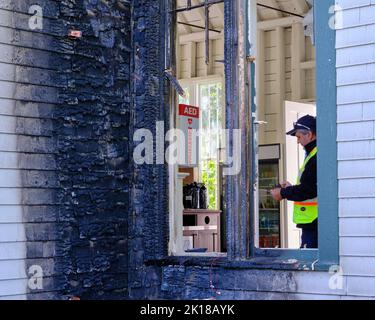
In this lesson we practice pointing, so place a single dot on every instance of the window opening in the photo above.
(285, 91)
(285, 72)
(198, 218)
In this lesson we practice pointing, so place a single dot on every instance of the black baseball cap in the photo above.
(305, 123)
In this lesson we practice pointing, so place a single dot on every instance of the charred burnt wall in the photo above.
(93, 151)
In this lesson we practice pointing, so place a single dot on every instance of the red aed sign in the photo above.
(188, 121)
(188, 111)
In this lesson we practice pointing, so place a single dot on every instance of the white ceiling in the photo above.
(197, 16)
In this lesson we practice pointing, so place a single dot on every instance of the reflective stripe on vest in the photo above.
(305, 211)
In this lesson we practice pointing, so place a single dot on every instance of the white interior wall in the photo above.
(192, 59)
(285, 71)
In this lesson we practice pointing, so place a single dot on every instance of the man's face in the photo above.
(304, 137)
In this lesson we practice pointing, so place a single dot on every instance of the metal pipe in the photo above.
(280, 10)
(207, 35)
(210, 2)
(199, 27)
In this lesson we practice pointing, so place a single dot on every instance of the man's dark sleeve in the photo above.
(307, 189)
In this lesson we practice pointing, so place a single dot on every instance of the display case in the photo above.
(269, 209)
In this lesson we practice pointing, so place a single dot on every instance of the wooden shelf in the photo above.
(206, 231)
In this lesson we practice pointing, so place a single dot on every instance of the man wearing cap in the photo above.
(304, 193)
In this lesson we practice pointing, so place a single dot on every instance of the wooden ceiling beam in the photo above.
(301, 6)
(274, 14)
(200, 11)
(273, 24)
(181, 17)
(199, 37)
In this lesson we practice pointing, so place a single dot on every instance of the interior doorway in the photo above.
(294, 156)
(285, 86)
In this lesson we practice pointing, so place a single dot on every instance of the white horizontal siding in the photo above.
(356, 169)
(12, 232)
(12, 178)
(363, 130)
(353, 56)
(14, 297)
(361, 286)
(14, 269)
(357, 227)
(13, 279)
(353, 188)
(368, 111)
(357, 207)
(355, 43)
(353, 4)
(355, 16)
(11, 214)
(350, 113)
(304, 296)
(31, 126)
(33, 196)
(355, 36)
(349, 297)
(13, 287)
(26, 57)
(14, 160)
(367, 15)
(27, 75)
(19, 91)
(317, 283)
(22, 143)
(29, 83)
(11, 107)
(357, 246)
(356, 74)
(358, 266)
(355, 93)
(11, 196)
(356, 112)
(12, 250)
(355, 150)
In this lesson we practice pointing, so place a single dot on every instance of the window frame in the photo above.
(328, 252)
(239, 86)
(194, 85)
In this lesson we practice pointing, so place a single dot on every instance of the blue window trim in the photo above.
(328, 252)
(327, 128)
(239, 233)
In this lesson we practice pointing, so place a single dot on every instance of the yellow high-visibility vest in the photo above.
(305, 211)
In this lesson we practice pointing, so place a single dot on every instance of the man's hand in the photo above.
(286, 184)
(276, 194)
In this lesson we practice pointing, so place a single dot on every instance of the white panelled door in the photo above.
(294, 157)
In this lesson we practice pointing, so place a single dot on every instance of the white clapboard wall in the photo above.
(27, 95)
(356, 141)
(355, 44)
